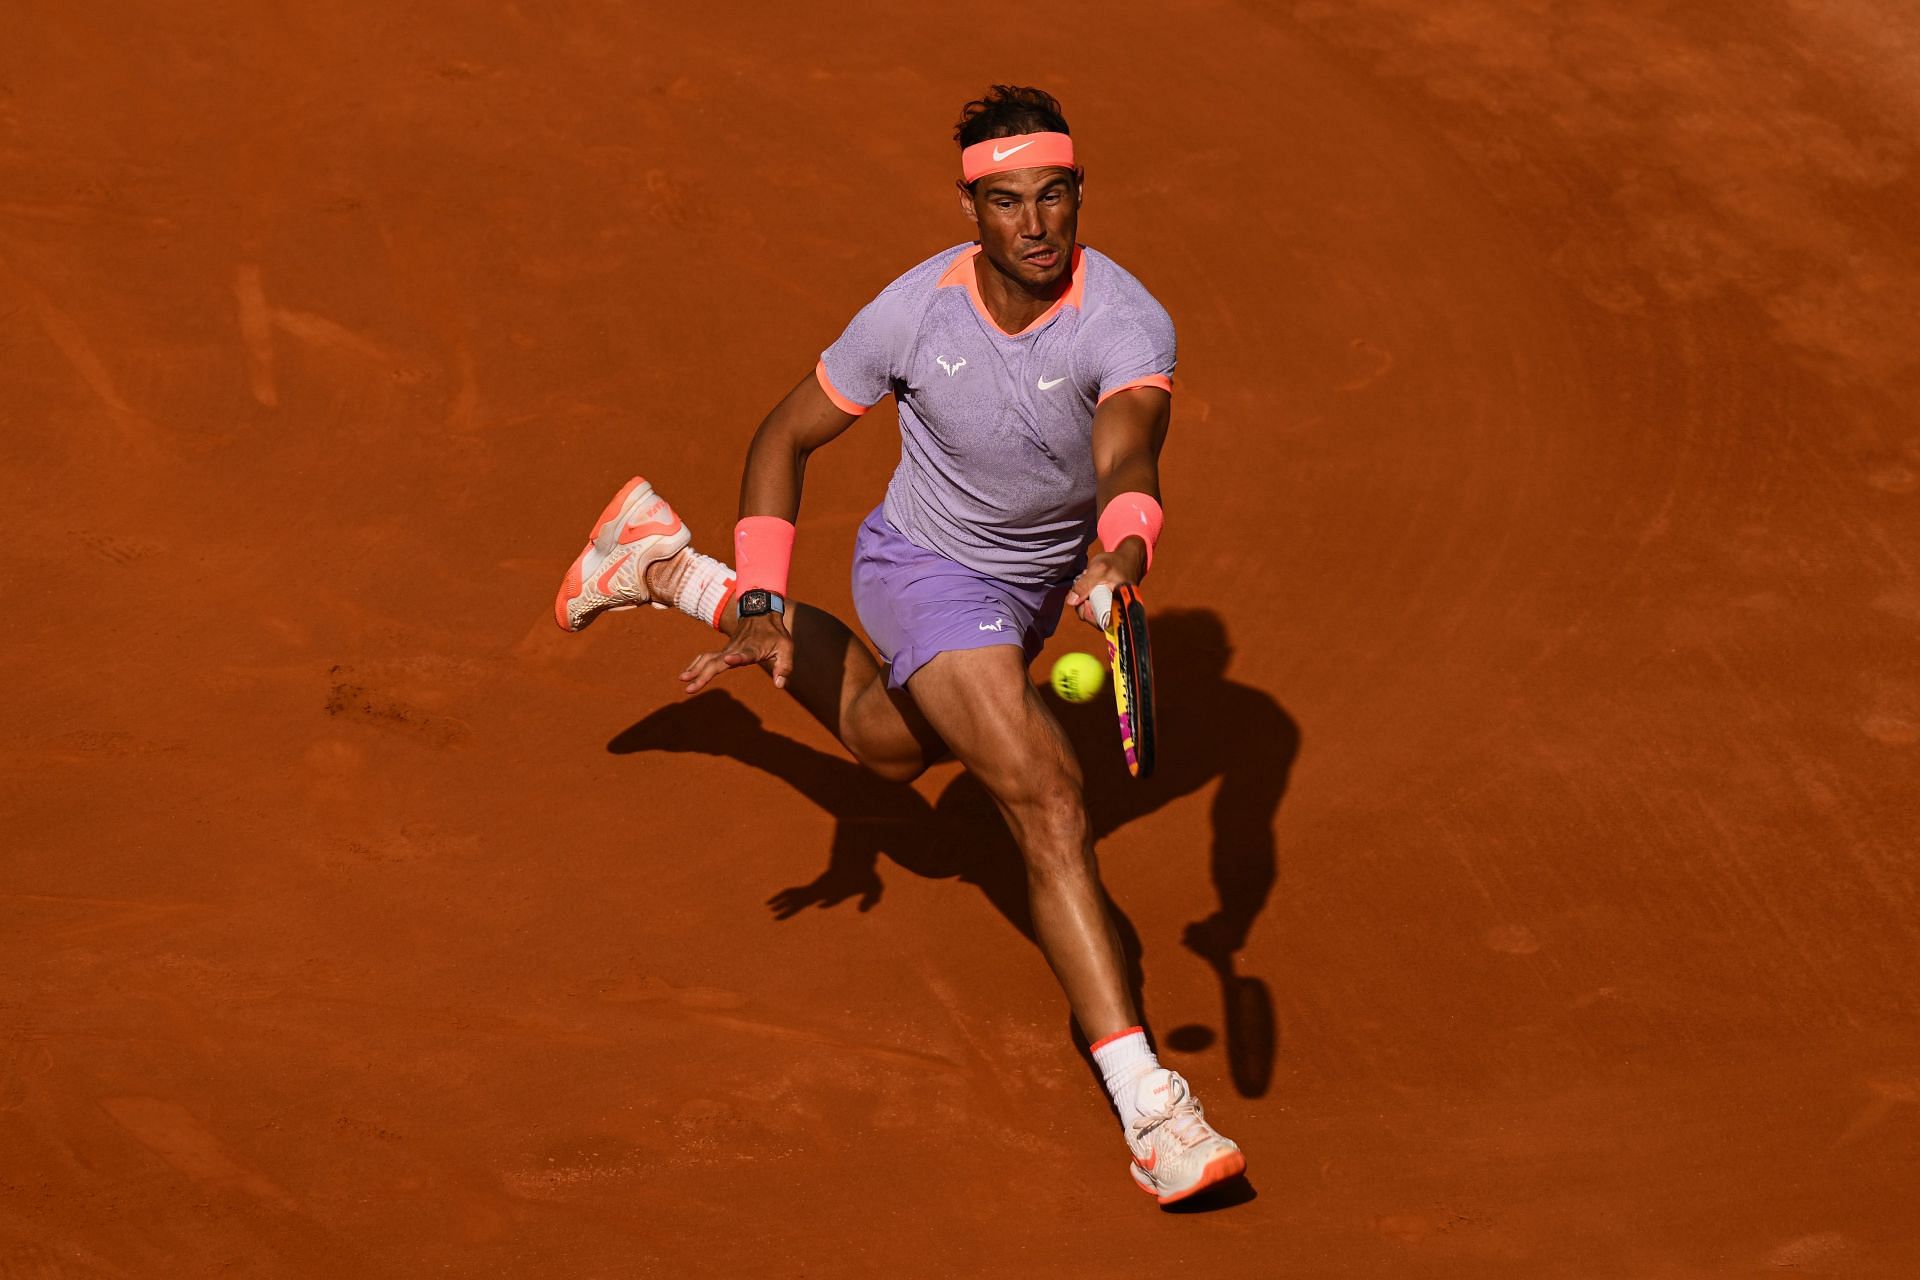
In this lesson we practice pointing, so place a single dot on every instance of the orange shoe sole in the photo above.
(1218, 1170)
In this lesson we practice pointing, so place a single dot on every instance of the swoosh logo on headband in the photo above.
(999, 155)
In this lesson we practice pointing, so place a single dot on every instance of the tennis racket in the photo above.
(1123, 616)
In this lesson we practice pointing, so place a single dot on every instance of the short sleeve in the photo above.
(858, 370)
(1138, 350)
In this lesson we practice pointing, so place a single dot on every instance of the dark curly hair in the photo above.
(1006, 110)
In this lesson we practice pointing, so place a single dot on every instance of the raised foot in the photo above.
(636, 531)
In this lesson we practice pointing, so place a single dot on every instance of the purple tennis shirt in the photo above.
(996, 428)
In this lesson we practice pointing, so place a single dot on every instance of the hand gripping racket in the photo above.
(1123, 616)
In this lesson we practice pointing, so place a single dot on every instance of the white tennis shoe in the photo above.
(636, 531)
(1176, 1153)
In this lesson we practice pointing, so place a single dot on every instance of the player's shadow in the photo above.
(1211, 728)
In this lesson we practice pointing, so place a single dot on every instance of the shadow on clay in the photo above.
(1210, 728)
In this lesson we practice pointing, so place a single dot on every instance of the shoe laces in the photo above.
(1182, 1116)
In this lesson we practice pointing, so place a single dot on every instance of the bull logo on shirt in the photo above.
(951, 368)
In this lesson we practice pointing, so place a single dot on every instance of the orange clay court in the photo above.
(1529, 880)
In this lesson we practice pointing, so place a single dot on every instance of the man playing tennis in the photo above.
(1033, 379)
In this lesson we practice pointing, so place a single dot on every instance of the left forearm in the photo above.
(1135, 472)
(1128, 432)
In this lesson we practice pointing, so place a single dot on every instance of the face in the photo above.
(1028, 221)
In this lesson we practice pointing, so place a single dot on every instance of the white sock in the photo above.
(704, 589)
(1124, 1059)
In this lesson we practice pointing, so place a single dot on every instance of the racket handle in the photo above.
(1101, 598)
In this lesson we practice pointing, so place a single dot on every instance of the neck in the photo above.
(1011, 303)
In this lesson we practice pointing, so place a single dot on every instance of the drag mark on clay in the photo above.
(1823, 1251)
(317, 330)
(705, 1004)
(256, 331)
(258, 320)
(171, 1132)
(67, 337)
(950, 1001)
(823, 1040)
(1889, 1095)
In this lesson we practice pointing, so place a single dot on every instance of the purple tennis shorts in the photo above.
(916, 603)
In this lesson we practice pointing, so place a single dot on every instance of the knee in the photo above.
(892, 768)
(1052, 814)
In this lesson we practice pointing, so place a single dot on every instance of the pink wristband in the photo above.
(1131, 515)
(762, 553)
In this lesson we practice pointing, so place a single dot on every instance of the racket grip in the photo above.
(1101, 598)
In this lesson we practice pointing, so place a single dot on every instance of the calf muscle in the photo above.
(984, 707)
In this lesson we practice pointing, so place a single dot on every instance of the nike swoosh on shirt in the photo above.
(999, 155)
(1048, 386)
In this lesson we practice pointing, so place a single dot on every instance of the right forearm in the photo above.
(777, 458)
(776, 466)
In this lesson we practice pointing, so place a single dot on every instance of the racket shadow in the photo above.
(1210, 728)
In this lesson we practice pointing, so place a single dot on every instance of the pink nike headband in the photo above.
(1022, 151)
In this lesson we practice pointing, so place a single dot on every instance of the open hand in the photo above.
(761, 642)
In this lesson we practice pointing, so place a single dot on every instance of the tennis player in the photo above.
(1033, 379)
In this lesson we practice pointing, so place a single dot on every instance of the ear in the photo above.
(966, 202)
(1079, 185)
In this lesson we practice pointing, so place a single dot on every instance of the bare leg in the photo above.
(984, 706)
(841, 684)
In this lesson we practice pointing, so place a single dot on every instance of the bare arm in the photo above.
(1129, 430)
(776, 467)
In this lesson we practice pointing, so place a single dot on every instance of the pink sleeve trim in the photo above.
(840, 402)
(1159, 380)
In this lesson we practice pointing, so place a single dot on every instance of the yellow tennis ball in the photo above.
(1078, 676)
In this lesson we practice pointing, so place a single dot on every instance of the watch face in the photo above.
(755, 602)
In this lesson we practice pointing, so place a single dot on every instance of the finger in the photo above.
(782, 665)
(693, 663)
(704, 669)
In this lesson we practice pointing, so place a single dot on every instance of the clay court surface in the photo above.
(1537, 624)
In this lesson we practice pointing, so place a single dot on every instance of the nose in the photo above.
(1030, 225)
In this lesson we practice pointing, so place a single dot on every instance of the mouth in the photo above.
(1041, 258)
